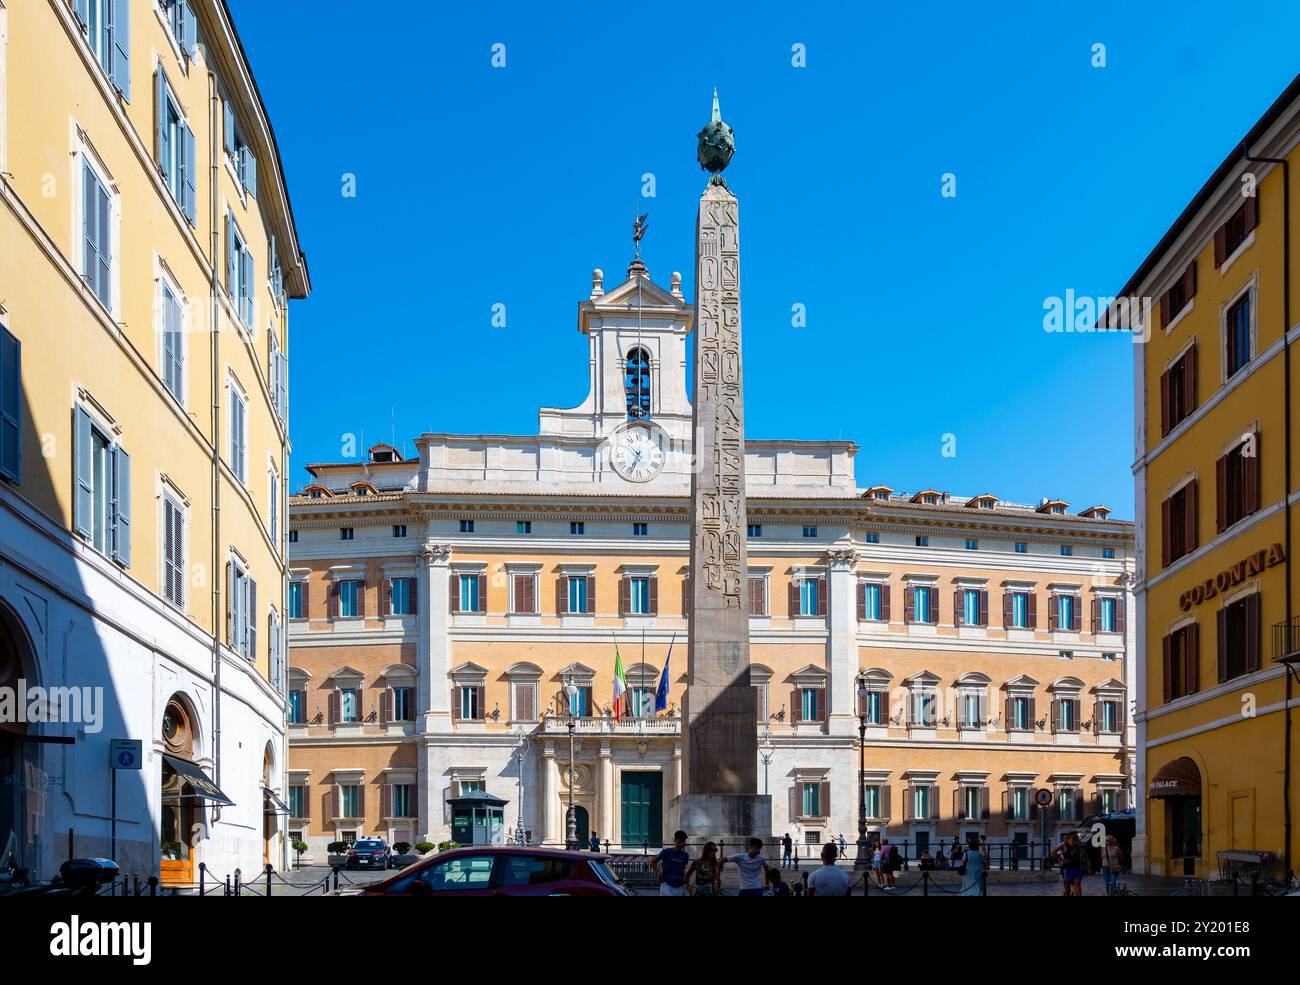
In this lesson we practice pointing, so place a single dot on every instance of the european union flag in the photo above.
(661, 692)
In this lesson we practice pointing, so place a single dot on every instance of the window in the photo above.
(1022, 547)
(1239, 638)
(399, 795)
(349, 599)
(278, 374)
(1108, 801)
(1108, 615)
(1178, 524)
(1108, 553)
(924, 707)
(1108, 717)
(293, 536)
(471, 697)
(402, 706)
(467, 526)
(972, 607)
(972, 544)
(578, 589)
(399, 529)
(523, 592)
(273, 505)
(580, 702)
(347, 533)
(174, 146)
(1235, 231)
(1178, 391)
(810, 704)
(523, 870)
(577, 529)
(97, 234)
(469, 591)
(1181, 662)
(636, 383)
(1020, 804)
(1065, 655)
(872, 800)
(238, 153)
(810, 602)
(872, 537)
(173, 343)
(11, 414)
(1066, 550)
(1108, 656)
(297, 589)
(238, 434)
(1238, 482)
(402, 596)
(1067, 804)
(811, 799)
(1178, 296)
(1065, 613)
(1237, 327)
(638, 596)
(872, 601)
(523, 526)
(1067, 715)
(349, 800)
(810, 531)
(922, 798)
(524, 706)
(173, 559)
(107, 24)
(1020, 716)
(922, 540)
(923, 604)
(874, 707)
(180, 20)
(755, 530)
(1017, 610)
(239, 273)
(102, 507)
(455, 875)
(297, 800)
(972, 710)
(972, 802)
(640, 529)
(641, 702)
(241, 611)
(757, 585)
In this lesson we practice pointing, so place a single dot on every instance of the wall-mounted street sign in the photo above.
(125, 754)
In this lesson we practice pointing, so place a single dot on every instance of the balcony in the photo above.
(1286, 641)
(601, 725)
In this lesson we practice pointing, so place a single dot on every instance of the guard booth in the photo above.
(478, 818)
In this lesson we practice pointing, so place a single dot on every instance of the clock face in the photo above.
(637, 454)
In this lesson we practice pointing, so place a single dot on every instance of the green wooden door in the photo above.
(643, 809)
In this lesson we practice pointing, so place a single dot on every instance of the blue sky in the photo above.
(477, 185)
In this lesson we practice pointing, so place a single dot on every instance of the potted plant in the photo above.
(424, 847)
(172, 850)
(299, 847)
(338, 853)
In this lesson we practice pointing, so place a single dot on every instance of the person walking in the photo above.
(1069, 857)
(972, 868)
(893, 862)
(1111, 866)
(877, 864)
(787, 850)
(828, 879)
(669, 867)
(753, 868)
(595, 842)
(844, 846)
(705, 872)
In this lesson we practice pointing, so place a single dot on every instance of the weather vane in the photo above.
(639, 226)
(717, 145)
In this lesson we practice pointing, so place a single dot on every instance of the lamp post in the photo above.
(765, 750)
(863, 861)
(521, 757)
(571, 817)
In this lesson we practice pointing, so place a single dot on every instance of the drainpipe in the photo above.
(1286, 491)
(214, 124)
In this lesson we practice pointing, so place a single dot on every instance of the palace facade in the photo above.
(1215, 438)
(147, 256)
(453, 620)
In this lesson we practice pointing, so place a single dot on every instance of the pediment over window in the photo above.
(810, 675)
(1066, 684)
(579, 672)
(877, 675)
(974, 679)
(652, 295)
(1109, 687)
(468, 669)
(1020, 682)
(397, 671)
(759, 673)
(524, 669)
(346, 673)
(922, 678)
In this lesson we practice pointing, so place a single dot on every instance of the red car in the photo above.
(503, 870)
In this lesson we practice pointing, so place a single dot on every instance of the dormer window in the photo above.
(928, 497)
(1054, 507)
(636, 384)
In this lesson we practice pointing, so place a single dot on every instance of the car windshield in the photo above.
(369, 846)
(604, 873)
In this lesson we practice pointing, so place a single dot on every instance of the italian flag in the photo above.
(620, 683)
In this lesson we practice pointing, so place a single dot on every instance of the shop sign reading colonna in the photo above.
(1224, 580)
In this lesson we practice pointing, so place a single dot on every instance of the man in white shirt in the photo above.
(829, 879)
(752, 866)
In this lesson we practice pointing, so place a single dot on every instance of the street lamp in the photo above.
(765, 753)
(521, 756)
(863, 861)
(571, 817)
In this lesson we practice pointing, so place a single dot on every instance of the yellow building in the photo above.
(147, 252)
(443, 604)
(1214, 508)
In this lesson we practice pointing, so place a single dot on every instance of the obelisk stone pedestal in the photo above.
(720, 799)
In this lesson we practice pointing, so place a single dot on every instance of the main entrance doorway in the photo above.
(643, 809)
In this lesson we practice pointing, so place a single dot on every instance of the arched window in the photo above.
(636, 382)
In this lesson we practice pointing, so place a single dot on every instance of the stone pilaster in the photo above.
(433, 647)
(550, 812)
(605, 792)
(842, 638)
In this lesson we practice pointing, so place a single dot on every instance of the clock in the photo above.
(636, 452)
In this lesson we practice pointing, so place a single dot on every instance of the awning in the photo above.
(1180, 778)
(276, 805)
(199, 782)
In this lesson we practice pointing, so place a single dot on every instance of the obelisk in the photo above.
(720, 798)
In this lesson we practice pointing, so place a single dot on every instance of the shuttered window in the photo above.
(1238, 638)
(1235, 231)
(173, 343)
(296, 590)
(107, 26)
(173, 566)
(1178, 391)
(524, 593)
(1178, 296)
(1237, 475)
(238, 152)
(757, 595)
(241, 611)
(11, 417)
(239, 272)
(102, 497)
(174, 150)
(1178, 524)
(1181, 659)
(238, 435)
(97, 237)
(180, 19)
(1237, 330)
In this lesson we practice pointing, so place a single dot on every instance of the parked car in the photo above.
(401, 860)
(502, 870)
(368, 853)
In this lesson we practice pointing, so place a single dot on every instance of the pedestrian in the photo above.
(894, 862)
(828, 879)
(954, 855)
(595, 842)
(787, 850)
(779, 886)
(1110, 863)
(705, 872)
(669, 867)
(1069, 857)
(877, 864)
(844, 846)
(972, 868)
(753, 868)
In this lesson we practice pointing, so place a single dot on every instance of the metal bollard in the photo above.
(269, 870)
(203, 872)
(153, 885)
(228, 893)
(336, 878)
(925, 883)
